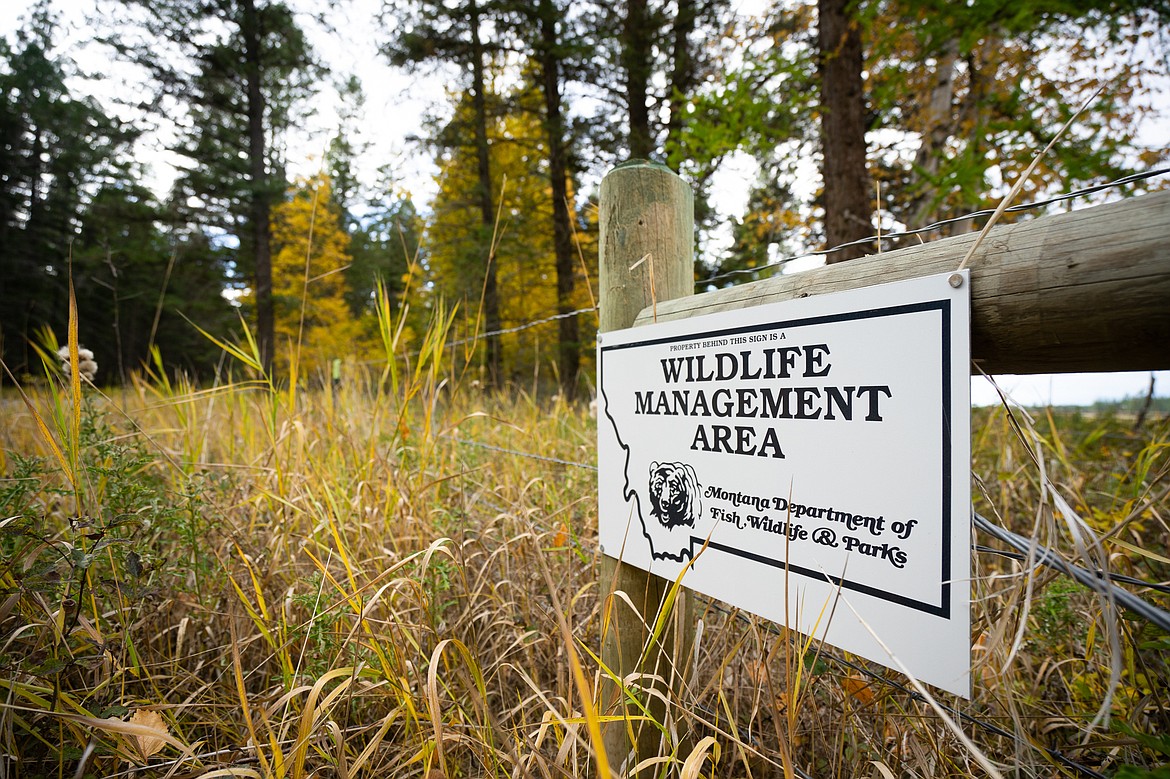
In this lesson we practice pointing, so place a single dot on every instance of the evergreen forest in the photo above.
(855, 119)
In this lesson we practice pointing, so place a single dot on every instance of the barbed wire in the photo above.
(1113, 577)
(1095, 581)
(518, 328)
(885, 237)
(529, 455)
(890, 237)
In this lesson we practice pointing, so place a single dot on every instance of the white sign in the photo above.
(810, 460)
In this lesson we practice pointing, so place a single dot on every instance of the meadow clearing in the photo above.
(261, 580)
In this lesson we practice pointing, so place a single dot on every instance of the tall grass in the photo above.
(253, 579)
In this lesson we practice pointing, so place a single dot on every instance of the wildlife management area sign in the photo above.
(809, 460)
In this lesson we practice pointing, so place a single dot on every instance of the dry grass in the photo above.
(307, 584)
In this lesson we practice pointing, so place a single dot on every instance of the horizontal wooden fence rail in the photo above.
(1087, 290)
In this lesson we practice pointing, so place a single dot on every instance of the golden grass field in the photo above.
(256, 580)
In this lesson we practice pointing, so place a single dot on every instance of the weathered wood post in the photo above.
(647, 221)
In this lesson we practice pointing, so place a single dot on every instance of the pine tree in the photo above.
(56, 149)
(138, 286)
(239, 68)
(661, 43)
(429, 32)
(527, 264)
(554, 44)
(847, 204)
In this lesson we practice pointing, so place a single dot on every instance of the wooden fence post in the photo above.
(646, 257)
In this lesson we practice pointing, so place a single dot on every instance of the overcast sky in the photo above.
(394, 111)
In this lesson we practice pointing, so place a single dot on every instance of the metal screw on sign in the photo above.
(956, 280)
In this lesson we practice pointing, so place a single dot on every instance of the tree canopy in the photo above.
(854, 117)
(57, 148)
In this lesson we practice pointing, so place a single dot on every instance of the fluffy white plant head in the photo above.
(86, 365)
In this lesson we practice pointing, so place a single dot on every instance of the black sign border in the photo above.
(942, 610)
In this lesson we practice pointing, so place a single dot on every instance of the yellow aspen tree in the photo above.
(311, 251)
(525, 257)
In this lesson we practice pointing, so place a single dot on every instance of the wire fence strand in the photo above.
(889, 238)
(529, 455)
(885, 238)
(518, 328)
(1096, 580)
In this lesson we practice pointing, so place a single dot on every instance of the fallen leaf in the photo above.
(150, 745)
(859, 688)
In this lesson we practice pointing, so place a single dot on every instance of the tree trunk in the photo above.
(1145, 409)
(973, 115)
(260, 205)
(636, 44)
(682, 76)
(847, 201)
(570, 347)
(491, 295)
(936, 125)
